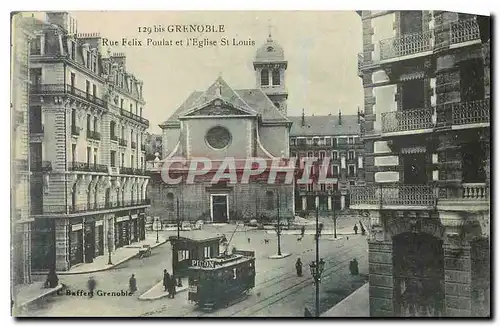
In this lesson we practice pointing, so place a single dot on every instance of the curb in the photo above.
(282, 256)
(41, 296)
(104, 268)
(161, 296)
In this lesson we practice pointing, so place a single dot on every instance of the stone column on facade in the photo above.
(329, 203)
(342, 202)
(304, 203)
(380, 267)
(457, 279)
(61, 245)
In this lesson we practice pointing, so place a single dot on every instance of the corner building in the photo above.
(86, 128)
(426, 76)
(220, 123)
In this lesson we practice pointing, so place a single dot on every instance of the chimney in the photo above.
(358, 114)
(303, 118)
(340, 117)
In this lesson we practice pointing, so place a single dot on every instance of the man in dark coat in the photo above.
(166, 278)
(171, 287)
(298, 267)
(132, 283)
(91, 285)
(52, 279)
(355, 229)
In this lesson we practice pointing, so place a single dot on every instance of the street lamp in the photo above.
(110, 246)
(316, 271)
(278, 229)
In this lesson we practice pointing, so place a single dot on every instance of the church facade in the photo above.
(224, 125)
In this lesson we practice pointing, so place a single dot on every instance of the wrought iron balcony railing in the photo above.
(463, 113)
(464, 31)
(406, 44)
(407, 120)
(89, 167)
(93, 135)
(122, 142)
(135, 117)
(90, 207)
(75, 130)
(126, 170)
(66, 89)
(40, 166)
(397, 195)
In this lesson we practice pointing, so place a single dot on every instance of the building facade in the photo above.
(153, 146)
(87, 156)
(338, 139)
(222, 123)
(426, 78)
(20, 221)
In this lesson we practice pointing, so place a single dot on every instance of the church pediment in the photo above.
(217, 107)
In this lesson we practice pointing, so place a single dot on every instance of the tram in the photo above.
(218, 282)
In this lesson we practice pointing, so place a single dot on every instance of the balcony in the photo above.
(393, 197)
(133, 145)
(93, 135)
(464, 31)
(40, 166)
(122, 142)
(88, 167)
(66, 89)
(75, 130)
(126, 170)
(79, 208)
(141, 171)
(468, 197)
(407, 120)
(465, 113)
(135, 117)
(405, 45)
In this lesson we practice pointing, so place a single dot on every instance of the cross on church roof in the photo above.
(218, 88)
(270, 26)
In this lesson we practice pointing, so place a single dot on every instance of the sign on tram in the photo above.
(202, 264)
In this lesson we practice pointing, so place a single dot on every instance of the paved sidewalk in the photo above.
(118, 257)
(158, 291)
(341, 231)
(26, 294)
(355, 305)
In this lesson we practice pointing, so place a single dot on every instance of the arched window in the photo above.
(170, 201)
(269, 200)
(276, 77)
(264, 77)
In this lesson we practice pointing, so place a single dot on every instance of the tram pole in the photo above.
(178, 220)
(317, 277)
(278, 231)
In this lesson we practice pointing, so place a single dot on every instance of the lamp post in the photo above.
(178, 220)
(334, 217)
(278, 229)
(318, 265)
(110, 246)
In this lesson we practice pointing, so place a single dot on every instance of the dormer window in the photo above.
(264, 77)
(36, 46)
(270, 49)
(276, 77)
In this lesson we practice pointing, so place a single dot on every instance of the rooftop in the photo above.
(324, 125)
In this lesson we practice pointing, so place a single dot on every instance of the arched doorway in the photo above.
(418, 270)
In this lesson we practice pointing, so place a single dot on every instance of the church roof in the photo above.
(251, 100)
(270, 51)
(324, 125)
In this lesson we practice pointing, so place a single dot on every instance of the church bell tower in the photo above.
(270, 66)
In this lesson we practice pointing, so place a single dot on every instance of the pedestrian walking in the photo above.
(298, 267)
(355, 229)
(171, 287)
(52, 279)
(132, 283)
(353, 267)
(91, 283)
(166, 278)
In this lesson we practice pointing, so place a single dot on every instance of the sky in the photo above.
(321, 49)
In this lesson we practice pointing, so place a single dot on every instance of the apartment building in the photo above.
(87, 155)
(338, 139)
(426, 78)
(20, 221)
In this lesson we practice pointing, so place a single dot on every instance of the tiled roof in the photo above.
(324, 125)
(253, 100)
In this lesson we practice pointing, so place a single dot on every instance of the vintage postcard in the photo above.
(250, 164)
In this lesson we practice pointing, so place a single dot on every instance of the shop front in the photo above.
(76, 250)
(122, 231)
(99, 239)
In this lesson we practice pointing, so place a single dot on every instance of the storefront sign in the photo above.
(202, 264)
(121, 219)
(76, 227)
(98, 223)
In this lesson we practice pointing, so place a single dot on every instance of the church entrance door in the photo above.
(219, 208)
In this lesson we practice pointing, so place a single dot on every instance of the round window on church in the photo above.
(218, 137)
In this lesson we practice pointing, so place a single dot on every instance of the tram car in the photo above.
(218, 282)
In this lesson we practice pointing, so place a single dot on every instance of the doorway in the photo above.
(220, 208)
(418, 266)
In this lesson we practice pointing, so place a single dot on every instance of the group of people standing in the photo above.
(169, 283)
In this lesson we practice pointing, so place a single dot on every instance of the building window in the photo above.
(322, 155)
(72, 50)
(218, 137)
(350, 140)
(113, 158)
(293, 155)
(315, 141)
(310, 187)
(94, 91)
(96, 123)
(335, 155)
(73, 153)
(276, 77)
(87, 88)
(350, 155)
(301, 141)
(322, 187)
(335, 170)
(352, 183)
(269, 200)
(292, 141)
(207, 252)
(264, 77)
(132, 161)
(123, 160)
(88, 59)
(121, 103)
(131, 108)
(328, 141)
(112, 128)
(351, 170)
(36, 46)
(89, 155)
(309, 154)
(35, 76)
(95, 156)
